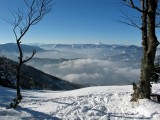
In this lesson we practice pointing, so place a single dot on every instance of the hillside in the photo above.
(32, 78)
(93, 103)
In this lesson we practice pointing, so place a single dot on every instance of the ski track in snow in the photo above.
(94, 103)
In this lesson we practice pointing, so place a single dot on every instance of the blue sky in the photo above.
(74, 21)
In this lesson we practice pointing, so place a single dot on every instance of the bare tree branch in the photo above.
(33, 53)
(131, 4)
(130, 21)
(36, 10)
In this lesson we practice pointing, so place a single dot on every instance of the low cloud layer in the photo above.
(89, 64)
(93, 72)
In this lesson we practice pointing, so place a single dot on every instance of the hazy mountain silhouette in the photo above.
(12, 47)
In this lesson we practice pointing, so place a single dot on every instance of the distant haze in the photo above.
(87, 64)
(91, 64)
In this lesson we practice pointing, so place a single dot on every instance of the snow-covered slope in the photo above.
(94, 103)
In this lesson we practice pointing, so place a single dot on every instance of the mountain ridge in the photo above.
(12, 47)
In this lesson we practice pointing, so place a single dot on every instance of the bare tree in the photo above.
(22, 21)
(148, 10)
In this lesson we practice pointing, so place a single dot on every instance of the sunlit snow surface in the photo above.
(93, 103)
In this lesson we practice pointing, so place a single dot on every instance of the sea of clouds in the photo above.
(90, 66)
(89, 72)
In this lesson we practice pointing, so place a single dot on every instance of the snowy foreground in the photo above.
(94, 103)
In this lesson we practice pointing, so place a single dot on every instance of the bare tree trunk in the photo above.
(150, 43)
(145, 68)
(19, 96)
(149, 55)
(37, 9)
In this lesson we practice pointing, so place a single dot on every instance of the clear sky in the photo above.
(74, 21)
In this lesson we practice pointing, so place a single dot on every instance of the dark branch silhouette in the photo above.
(148, 11)
(36, 10)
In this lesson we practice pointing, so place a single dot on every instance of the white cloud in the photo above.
(93, 72)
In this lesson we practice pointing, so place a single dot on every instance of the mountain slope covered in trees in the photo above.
(32, 78)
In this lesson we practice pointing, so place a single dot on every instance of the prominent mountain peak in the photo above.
(99, 43)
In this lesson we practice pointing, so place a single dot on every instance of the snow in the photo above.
(92, 103)
(99, 43)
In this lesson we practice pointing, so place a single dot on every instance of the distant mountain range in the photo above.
(12, 47)
(125, 53)
(74, 62)
(53, 53)
(97, 45)
(97, 51)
